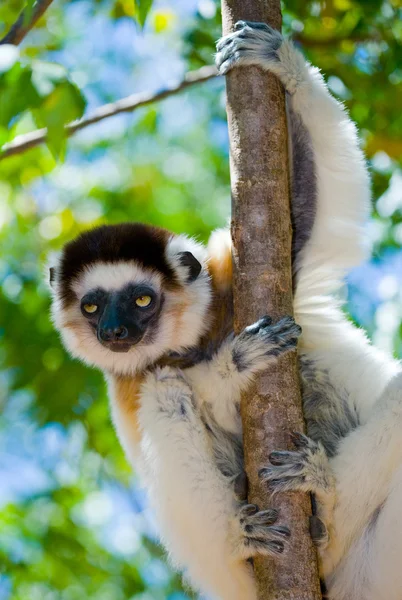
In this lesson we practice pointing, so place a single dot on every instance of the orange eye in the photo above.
(143, 301)
(90, 308)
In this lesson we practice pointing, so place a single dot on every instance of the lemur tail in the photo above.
(325, 144)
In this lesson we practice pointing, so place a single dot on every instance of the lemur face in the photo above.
(124, 295)
(121, 318)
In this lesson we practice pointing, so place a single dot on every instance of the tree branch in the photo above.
(29, 140)
(262, 284)
(25, 22)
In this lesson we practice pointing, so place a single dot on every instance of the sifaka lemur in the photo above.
(137, 302)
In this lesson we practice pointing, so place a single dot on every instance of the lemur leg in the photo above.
(202, 526)
(308, 470)
(371, 566)
(220, 381)
(364, 468)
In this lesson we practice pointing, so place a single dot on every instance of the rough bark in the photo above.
(261, 232)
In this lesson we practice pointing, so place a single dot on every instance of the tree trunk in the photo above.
(261, 232)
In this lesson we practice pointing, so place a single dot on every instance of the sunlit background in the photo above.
(73, 522)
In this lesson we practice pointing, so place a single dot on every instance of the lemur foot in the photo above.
(258, 44)
(171, 392)
(253, 533)
(307, 469)
(255, 347)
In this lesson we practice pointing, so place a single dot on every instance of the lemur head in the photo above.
(124, 295)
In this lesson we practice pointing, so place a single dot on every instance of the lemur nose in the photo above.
(120, 332)
(112, 335)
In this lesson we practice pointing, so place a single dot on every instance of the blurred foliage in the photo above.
(73, 523)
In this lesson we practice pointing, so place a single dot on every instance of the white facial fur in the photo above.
(182, 321)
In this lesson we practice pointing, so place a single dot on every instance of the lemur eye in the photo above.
(143, 301)
(90, 308)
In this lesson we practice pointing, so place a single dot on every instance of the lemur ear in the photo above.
(194, 267)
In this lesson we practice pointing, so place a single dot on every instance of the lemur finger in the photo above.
(300, 440)
(261, 546)
(285, 327)
(270, 534)
(265, 321)
(254, 25)
(284, 457)
(280, 530)
(247, 510)
(282, 471)
(240, 25)
(283, 334)
(259, 535)
(262, 517)
(286, 484)
(223, 67)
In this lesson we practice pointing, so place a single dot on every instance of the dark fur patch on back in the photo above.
(327, 409)
(125, 242)
(304, 186)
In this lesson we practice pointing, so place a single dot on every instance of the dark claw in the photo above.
(240, 25)
(277, 546)
(249, 509)
(241, 486)
(299, 439)
(277, 458)
(318, 530)
(281, 530)
(274, 483)
(262, 472)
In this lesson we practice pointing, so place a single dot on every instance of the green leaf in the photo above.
(64, 104)
(17, 94)
(142, 8)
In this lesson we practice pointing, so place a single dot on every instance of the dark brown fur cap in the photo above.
(125, 242)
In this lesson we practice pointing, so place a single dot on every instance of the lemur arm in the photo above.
(331, 198)
(220, 381)
(189, 464)
(205, 530)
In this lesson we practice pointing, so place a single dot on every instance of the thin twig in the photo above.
(29, 140)
(25, 22)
